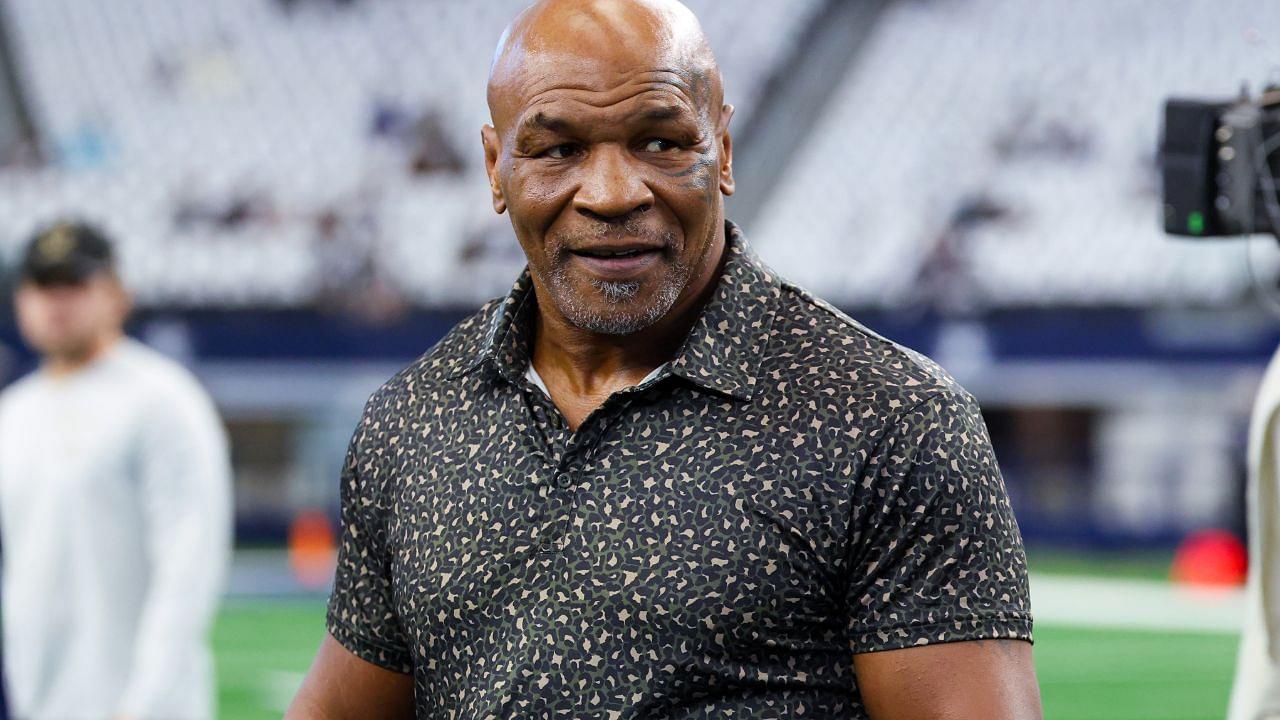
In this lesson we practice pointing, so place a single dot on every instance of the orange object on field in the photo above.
(1210, 558)
(312, 552)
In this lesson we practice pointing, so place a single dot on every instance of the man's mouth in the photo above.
(611, 253)
(617, 262)
(611, 250)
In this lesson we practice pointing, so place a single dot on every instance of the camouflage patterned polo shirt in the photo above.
(715, 542)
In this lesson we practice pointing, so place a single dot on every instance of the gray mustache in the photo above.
(630, 228)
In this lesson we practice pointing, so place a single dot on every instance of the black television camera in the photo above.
(1219, 163)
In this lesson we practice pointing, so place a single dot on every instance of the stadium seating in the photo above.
(210, 136)
(1049, 112)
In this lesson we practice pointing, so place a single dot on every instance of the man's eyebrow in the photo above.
(543, 121)
(664, 112)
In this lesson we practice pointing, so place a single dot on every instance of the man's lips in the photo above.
(615, 249)
(617, 261)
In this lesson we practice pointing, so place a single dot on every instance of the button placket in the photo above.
(559, 510)
(564, 480)
(574, 456)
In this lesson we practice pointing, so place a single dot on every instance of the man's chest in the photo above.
(671, 525)
(79, 446)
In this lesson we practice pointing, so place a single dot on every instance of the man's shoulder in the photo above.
(163, 389)
(443, 363)
(820, 347)
(20, 392)
(152, 370)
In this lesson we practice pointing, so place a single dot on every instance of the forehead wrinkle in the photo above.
(644, 104)
(662, 90)
(568, 73)
(625, 85)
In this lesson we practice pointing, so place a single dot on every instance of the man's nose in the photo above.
(611, 187)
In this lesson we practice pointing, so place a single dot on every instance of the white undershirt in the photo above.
(536, 379)
(115, 518)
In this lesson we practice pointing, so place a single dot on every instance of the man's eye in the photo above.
(561, 152)
(658, 145)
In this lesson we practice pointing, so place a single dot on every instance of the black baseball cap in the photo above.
(66, 252)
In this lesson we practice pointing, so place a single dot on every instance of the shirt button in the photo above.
(564, 480)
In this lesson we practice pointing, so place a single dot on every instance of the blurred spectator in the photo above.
(350, 279)
(115, 503)
(1256, 695)
(244, 206)
(422, 137)
(431, 149)
(946, 280)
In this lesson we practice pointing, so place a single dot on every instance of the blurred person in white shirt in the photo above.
(1256, 694)
(115, 504)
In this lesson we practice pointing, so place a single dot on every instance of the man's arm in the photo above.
(364, 668)
(341, 686)
(988, 679)
(940, 612)
(185, 487)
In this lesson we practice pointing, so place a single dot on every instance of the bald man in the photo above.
(656, 480)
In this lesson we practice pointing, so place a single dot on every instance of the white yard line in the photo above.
(1134, 604)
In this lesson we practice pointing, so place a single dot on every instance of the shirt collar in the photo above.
(719, 353)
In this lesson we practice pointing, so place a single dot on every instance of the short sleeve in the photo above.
(934, 552)
(362, 614)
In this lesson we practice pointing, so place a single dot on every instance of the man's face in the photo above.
(613, 178)
(68, 319)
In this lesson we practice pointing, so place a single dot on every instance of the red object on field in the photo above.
(312, 553)
(1210, 558)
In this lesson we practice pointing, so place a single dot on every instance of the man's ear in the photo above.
(489, 137)
(727, 185)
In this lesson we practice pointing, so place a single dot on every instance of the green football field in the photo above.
(263, 647)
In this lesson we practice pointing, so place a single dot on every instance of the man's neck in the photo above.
(61, 366)
(584, 368)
